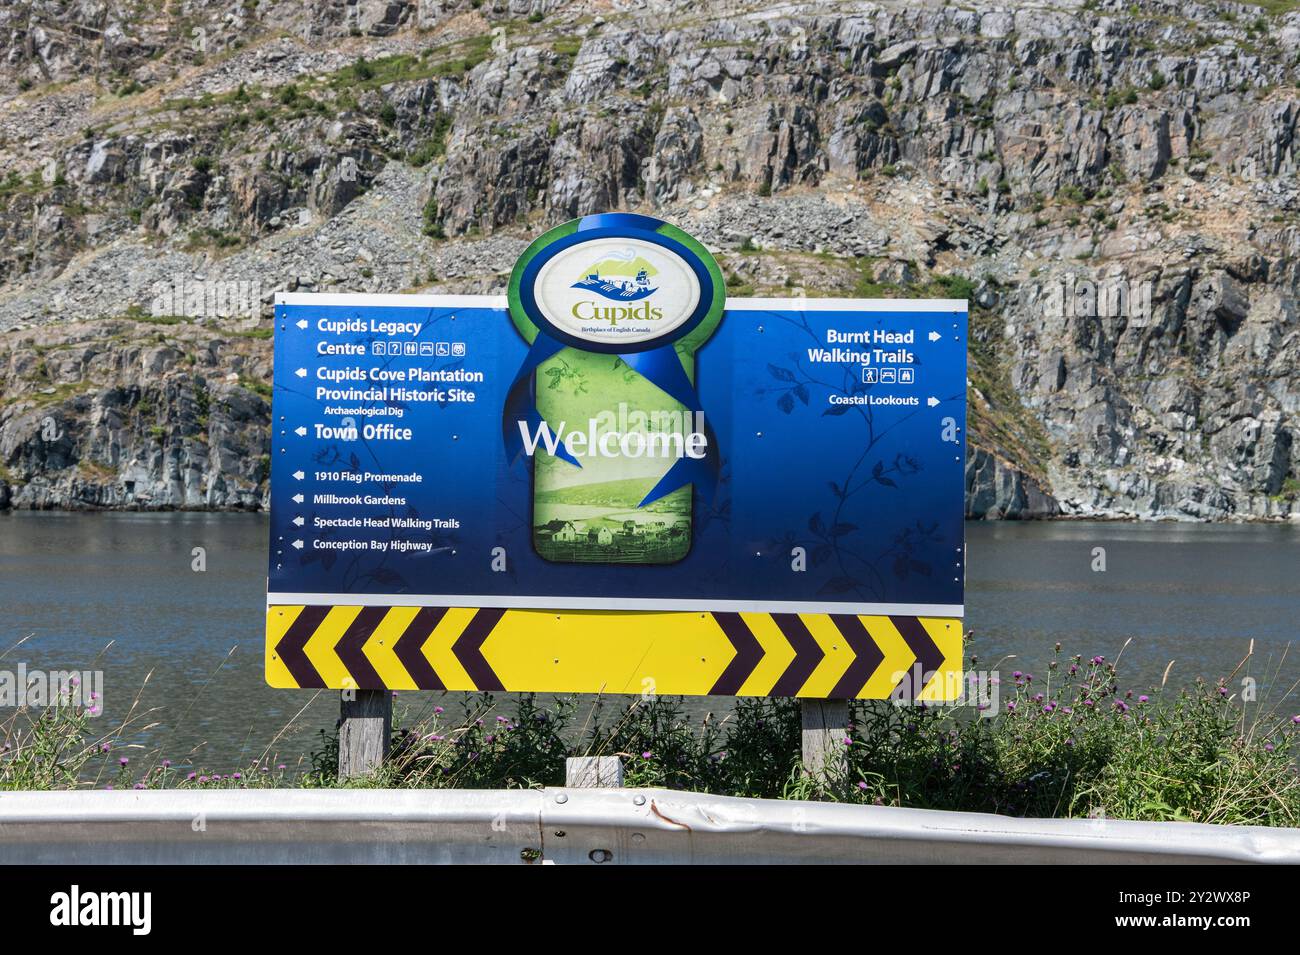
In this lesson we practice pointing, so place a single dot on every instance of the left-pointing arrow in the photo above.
(297, 545)
(301, 372)
(298, 499)
(298, 475)
(302, 323)
(290, 649)
(300, 431)
(468, 649)
(298, 520)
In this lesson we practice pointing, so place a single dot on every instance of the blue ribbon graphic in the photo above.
(661, 367)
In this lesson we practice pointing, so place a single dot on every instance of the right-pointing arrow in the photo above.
(749, 652)
(932, 401)
(928, 654)
(807, 654)
(869, 657)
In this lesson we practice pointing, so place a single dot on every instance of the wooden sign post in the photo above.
(825, 726)
(365, 728)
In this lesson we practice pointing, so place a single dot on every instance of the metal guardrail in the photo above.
(606, 826)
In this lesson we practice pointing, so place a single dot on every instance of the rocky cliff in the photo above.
(1113, 185)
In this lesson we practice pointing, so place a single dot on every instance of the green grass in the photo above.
(1274, 7)
(452, 60)
(1070, 742)
(256, 386)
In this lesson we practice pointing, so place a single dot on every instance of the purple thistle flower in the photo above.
(123, 761)
(862, 784)
(191, 777)
(167, 764)
(646, 754)
(1143, 698)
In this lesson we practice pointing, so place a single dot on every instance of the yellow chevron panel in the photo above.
(378, 648)
(777, 654)
(278, 622)
(320, 647)
(838, 655)
(438, 649)
(946, 686)
(609, 652)
(898, 657)
(668, 653)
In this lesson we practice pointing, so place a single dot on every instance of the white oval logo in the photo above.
(617, 291)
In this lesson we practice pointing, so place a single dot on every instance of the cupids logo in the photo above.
(617, 289)
(613, 308)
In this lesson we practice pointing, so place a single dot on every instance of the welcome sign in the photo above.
(612, 476)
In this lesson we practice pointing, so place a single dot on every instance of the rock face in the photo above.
(179, 420)
(1113, 185)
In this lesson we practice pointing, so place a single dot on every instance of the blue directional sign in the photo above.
(783, 456)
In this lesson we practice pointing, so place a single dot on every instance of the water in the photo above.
(78, 583)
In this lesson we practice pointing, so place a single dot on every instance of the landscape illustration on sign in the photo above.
(622, 276)
(593, 513)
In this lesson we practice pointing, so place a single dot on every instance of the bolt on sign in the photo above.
(615, 480)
